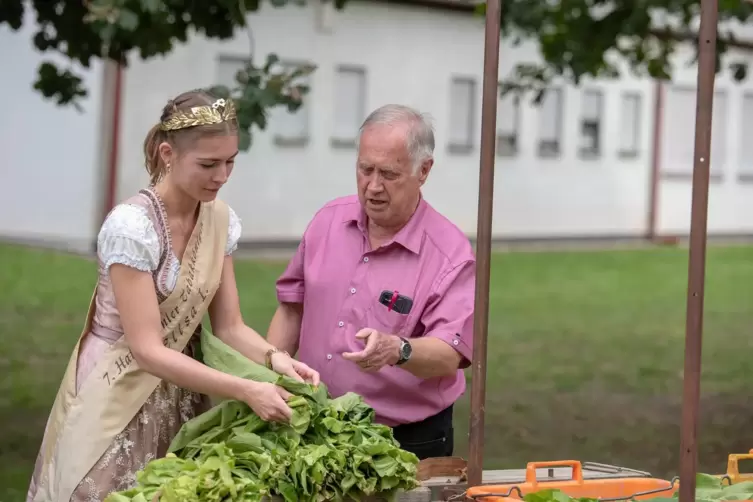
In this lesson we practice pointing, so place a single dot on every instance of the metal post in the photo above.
(483, 239)
(656, 140)
(697, 254)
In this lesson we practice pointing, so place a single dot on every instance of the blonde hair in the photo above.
(181, 139)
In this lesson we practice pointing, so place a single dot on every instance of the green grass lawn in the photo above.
(585, 354)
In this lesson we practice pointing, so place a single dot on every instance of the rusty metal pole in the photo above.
(697, 255)
(656, 140)
(483, 239)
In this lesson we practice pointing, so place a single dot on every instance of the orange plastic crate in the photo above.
(615, 488)
(733, 468)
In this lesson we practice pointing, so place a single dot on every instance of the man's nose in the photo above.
(375, 183)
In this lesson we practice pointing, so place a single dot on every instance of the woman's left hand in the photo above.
(286, 365)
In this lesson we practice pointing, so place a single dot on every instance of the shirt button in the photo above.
(329, 356)
(341, 324)
(454, 342)
(352, 290)
(365, 259)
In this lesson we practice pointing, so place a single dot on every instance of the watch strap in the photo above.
(270, 353)
(402, 358)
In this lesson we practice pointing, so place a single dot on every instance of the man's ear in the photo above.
(423, 171)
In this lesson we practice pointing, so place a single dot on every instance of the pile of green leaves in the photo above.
(554, 496)
(331, 450)
(708, 489)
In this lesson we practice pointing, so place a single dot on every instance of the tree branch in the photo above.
(666, 34)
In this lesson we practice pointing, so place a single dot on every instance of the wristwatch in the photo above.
(405, 351)
(270, 353)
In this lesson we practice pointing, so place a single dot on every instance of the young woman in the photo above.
(164, 262)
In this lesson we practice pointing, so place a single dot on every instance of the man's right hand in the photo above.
(380, 350)
(268, 401)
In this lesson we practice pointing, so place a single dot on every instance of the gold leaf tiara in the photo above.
(220, 111)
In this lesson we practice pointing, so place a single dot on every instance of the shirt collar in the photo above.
(410, 236)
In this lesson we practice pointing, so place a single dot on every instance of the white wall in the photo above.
(410, 55)
(730, 208)
(50, 155)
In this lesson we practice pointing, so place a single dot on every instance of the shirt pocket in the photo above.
(387, 321)
(398, 278)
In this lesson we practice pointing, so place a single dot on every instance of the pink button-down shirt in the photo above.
(339, 278)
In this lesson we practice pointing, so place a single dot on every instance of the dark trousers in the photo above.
(428, 438)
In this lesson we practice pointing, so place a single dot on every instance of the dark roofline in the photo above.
(467, 6)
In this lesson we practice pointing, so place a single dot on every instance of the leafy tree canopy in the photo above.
(580, 38)
(86, 30)
(577, 38)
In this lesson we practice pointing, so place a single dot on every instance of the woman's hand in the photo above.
(268, 401)
(286, 365)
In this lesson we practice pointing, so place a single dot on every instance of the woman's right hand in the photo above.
(268, 401)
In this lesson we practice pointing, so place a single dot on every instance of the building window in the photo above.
(550, 123)
(590, 124)
(227, 69)
(349, 105)
(630, 125)
(462, 116)
(292, 128)
(746, 140)
(719, 134)
(508, 123)
(678, 134)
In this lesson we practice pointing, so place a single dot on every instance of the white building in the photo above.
(552, 179)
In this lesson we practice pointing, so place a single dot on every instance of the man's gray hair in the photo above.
(420, 138)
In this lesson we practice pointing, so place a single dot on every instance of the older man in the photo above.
(379, 296)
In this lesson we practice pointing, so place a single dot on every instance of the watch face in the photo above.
(405, 350)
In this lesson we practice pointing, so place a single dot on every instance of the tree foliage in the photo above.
(589, 38)
(118, 30)
(577, 38)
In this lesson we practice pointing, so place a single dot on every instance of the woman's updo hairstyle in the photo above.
(185, 119)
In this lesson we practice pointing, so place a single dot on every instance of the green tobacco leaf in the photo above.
(331, 449)
(746, 488)
(706, 481)
(708, 489)
(711, 488)
(221, 356)
(554, 496)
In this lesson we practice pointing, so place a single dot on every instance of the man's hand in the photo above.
(381, 350)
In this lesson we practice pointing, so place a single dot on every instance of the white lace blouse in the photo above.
(128, 237)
